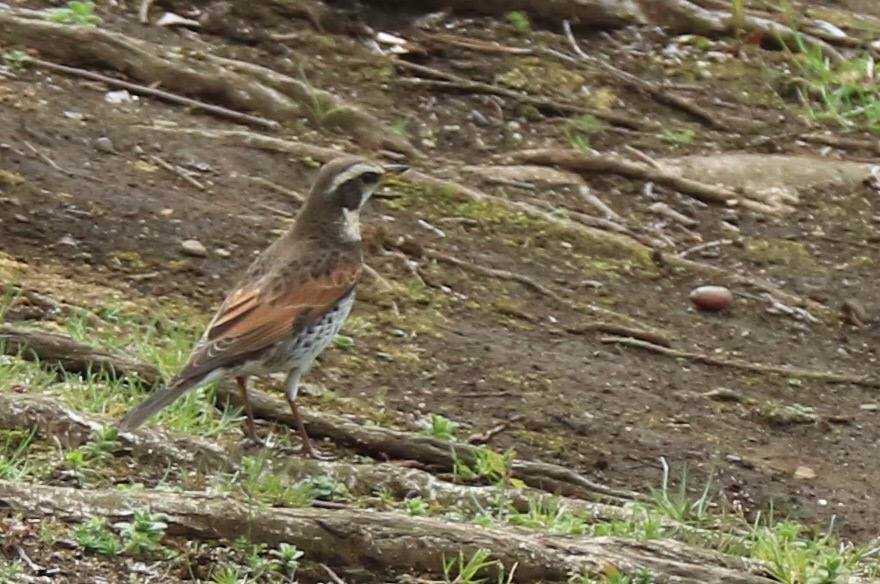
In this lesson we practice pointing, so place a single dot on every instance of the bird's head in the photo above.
(340, 191)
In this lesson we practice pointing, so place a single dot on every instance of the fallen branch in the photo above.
(73, 429)
(176, 170)
(822, 376)
(152, 92)
(62, 351)
(377, 441)
(387, 541)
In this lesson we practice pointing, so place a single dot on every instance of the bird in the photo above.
(291, 301)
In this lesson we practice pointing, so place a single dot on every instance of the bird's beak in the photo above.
(395, 168)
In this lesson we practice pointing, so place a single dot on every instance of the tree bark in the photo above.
(62, 351)
(386, 541)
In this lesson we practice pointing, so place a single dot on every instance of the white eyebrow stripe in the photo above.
(356, 170)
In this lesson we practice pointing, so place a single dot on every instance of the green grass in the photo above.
(440, 427)
(520, 21)
(476, 569)
(845, 94)
(14, 444)
(678, 137)
(75, 13)
(257, 482)
(579, 130)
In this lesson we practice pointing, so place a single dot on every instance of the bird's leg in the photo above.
(251, 429)
(291, 390)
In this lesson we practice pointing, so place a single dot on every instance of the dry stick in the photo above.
(585, 193)
(451, 81)
(55, 165)
(333, 575)
(822, 376)
(650, 89)
(498, 274)
(707, 245)
(174, 169)
(144, 90)
(275, 187)
(378, 441)
(387, 541)
(253, 140)
(384, 283)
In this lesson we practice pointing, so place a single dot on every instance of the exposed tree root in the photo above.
(604, 163)
(843, 143)
(271, 94)
(682, 16)
(385, 541)
(153, 92)
(377, 441)
(584, 13)
(822, 376)
(62, 351)
(73, 429)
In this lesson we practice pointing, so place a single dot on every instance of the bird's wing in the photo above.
(253, 318)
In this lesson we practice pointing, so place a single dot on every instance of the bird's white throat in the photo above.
(351, 225)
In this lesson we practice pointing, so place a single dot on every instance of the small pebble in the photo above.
(223, 252)
(21, 218)
(67, 241)
(869, 407)
(804, 472)
(104, 144)
(194, 247)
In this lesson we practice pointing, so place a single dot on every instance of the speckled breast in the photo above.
(300, 352)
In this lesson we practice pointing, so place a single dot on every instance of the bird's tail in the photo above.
(160, 399)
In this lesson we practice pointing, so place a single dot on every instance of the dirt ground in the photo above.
(481, 351)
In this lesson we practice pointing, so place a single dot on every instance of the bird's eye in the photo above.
(370, 178)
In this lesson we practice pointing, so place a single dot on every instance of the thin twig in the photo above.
(676, 101)
(587, 195)
(173, 168)
(827, 377)
(642, 156)
(459, 83)
(277, 211)
(55, 165)
(484, 437)
(275, 187)
(333, 576)
(144, 90)
(385, 284)
(707, 245)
